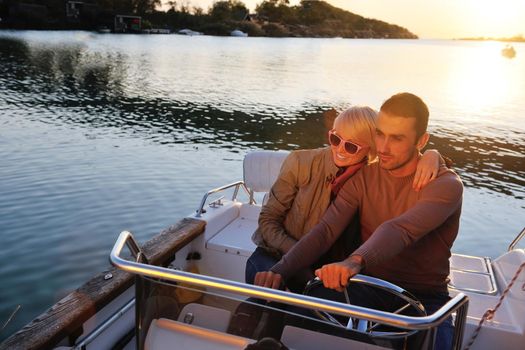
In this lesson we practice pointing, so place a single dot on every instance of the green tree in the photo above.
(277, 11)
(226, 10)
(140, 7)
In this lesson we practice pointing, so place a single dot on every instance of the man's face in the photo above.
(397, 142)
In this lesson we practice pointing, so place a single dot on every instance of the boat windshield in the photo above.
(169, 312)
(203, 312)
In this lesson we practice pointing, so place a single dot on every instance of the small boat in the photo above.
(104, 30)
(184, 289)
(508, 51)
(238, 33)
(159, 31)
(188, 32)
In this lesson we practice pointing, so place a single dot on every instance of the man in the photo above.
(309, 181)
(407, 235)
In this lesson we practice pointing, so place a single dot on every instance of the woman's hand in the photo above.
(268, 279)
(427, 169)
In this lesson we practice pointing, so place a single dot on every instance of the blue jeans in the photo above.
(376, 299)
(445, 331)
(261, 261)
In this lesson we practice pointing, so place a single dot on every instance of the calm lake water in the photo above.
(101, 133)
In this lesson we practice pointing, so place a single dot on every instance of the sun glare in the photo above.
(480, 77)
(493, 18)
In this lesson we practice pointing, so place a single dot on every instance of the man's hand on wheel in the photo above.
(336, 275)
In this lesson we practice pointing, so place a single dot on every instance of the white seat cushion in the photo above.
(261, 169)
(164, 334)
(206, 316)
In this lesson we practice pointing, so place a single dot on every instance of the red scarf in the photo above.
(344, 174)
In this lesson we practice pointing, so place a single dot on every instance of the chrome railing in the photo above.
(458, 304)
(237, 185)
(516, 240)
(104, 326)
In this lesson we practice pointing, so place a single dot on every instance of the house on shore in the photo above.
(127, 24)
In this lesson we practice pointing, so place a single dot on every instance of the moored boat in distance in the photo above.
(508, 51)
(156, 31)
(186, 286)
(238, 33)
(104, 30)
(189, 32)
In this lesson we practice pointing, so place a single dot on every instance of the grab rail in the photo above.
(516, 240)
(459, 303)
(237, 185)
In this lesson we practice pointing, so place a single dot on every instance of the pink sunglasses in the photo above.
(335, 140)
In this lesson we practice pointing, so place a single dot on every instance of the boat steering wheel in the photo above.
(365, 326)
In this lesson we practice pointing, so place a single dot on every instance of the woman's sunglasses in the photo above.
(335, 140)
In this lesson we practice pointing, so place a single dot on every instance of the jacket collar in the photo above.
(330, 167)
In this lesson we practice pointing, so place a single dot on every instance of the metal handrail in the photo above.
(516, 240)
(105, 326)
(237, 184)
(459, 303)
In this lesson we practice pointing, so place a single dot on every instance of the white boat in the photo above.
(156, 31)
(184, 290)
(238, 33)
(188, 32)
(508, 51)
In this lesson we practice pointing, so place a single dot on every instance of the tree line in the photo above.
(276, 18)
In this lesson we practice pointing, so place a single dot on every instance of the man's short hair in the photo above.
(408, 105)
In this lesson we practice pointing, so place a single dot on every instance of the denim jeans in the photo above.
(376, 299)
(259, 261)
(445, 331)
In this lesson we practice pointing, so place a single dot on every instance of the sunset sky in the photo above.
(434, 18)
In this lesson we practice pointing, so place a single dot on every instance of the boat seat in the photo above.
(205, 316)
(472, 274)
(261, 169)
(164, 334)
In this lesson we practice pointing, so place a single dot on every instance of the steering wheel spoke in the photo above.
(364, 326)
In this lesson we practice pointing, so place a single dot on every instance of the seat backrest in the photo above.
(261, 169)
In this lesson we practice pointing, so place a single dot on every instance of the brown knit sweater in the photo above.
(407, 235)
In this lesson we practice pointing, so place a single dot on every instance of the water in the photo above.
(101, 133)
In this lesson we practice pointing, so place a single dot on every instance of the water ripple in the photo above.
(104, 133)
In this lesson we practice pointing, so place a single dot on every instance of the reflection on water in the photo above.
(479, 79)
(104, 133)
(485, 162)
(84, 87)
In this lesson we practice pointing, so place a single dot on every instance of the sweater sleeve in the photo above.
(438, 201)
(273, 213)
(323, 235)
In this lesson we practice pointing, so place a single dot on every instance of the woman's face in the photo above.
(340, 153)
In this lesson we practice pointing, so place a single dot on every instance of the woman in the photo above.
(309, 180)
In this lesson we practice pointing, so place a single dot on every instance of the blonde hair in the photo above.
(360, 123)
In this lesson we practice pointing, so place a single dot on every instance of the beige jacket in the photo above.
(297, 201)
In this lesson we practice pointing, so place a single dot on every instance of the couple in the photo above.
(408, 208)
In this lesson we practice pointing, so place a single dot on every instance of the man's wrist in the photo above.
(356, 259)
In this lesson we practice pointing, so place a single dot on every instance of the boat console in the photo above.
(230, 314)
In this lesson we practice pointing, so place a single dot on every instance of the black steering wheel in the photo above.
(364, 326)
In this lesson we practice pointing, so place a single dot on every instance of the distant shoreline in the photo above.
(309, 19)
(516, 39)
(205, 34)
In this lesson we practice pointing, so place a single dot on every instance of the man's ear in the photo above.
(422, 141)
